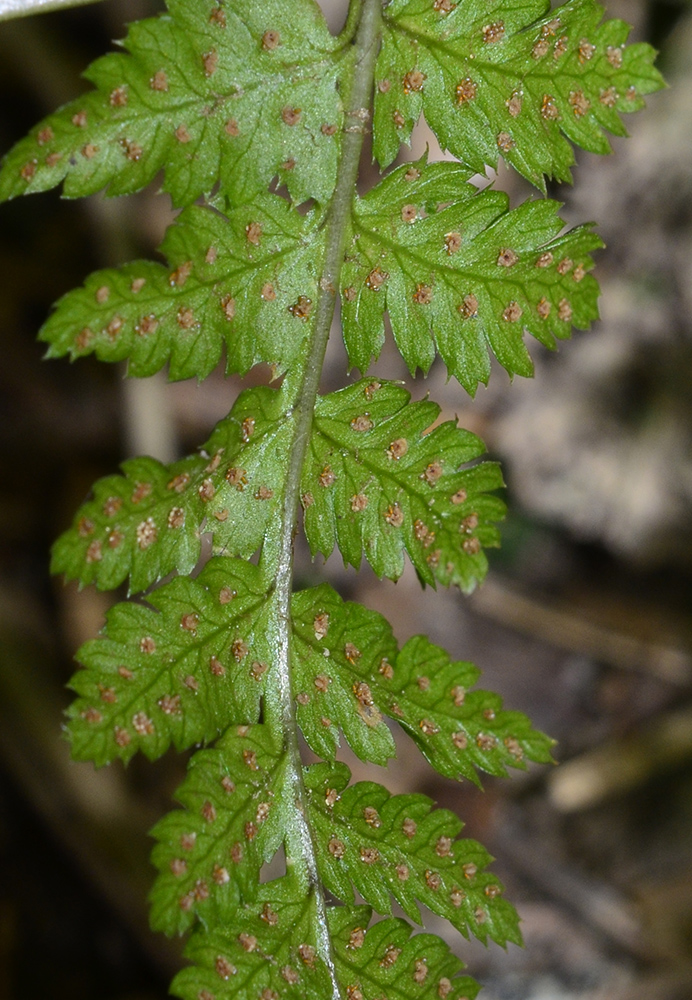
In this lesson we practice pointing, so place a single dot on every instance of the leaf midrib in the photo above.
(301, 386)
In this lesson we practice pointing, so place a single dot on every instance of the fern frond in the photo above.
(209, 854)
(505, 79)
(382, 844)
(268, 949)
(233, 281)
(460, 273)
(350, 674)
(211, 94)
(384, 959)
(461, 729)
(194, 662)
(179, 671)
(375, 483)
(149, 522)
(257, 111)
(456, 271)
(271, 953)
(379, 482)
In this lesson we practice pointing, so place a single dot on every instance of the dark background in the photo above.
(585, 621)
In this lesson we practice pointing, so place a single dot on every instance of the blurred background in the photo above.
(585, 621)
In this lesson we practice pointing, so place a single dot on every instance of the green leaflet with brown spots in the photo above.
(256, 957)
(215, 95)
(150, 521)
(384, 959)
(268, 948)
(209, 853)
(349, 673)
(459, 274)
(456, 271)
(244, 281)
(516, 80)
(376, 483)
(398, 846)
(178, 670)
(337, 648)
(458, 730)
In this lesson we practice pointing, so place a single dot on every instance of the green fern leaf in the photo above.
(458, 272)
(460, 730)
(337, 649)
(493, 81)
(149, 522)
(245, 281)
(277, 956)
(350, 674)
(384, 960)
(209, 854)
(210, 94)
(198, 665)
(384, 844)
(381, 489)
(267, 950)
(376, 483)
(117, 532)
(455, 269)
(180, 671)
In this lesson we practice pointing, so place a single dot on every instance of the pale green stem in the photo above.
(280, 711)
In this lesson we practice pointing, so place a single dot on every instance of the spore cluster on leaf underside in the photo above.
(223, 98)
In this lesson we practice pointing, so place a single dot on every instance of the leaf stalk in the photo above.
(280, 713)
